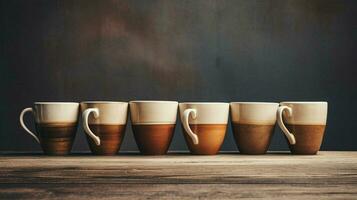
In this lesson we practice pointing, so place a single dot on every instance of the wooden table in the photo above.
(180, 176)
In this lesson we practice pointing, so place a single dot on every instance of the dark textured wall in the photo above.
(196, 50)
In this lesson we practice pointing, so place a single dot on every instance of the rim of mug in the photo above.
(105, 102)
(219, 103)
(254, 103)
(151, 101)
(54, 102)
(304, 102)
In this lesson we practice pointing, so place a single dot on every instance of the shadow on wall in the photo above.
(123, 44)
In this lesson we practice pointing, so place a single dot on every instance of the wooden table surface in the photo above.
(180, 176)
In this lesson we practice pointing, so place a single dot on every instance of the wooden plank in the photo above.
(225, 176)
(176, 191)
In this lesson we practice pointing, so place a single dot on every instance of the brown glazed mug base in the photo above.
(252, 139)
(211, 137)
(111, 137)
(56, 139)
(153, 139)
(308, 138)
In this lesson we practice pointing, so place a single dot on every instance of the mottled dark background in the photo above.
(196, 50)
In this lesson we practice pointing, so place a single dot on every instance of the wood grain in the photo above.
(180, 176)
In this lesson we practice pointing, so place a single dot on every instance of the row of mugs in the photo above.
(204, 125)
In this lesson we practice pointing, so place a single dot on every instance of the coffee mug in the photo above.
(153, 124)
(253, 125)
(56, 125)
(303, 124)
(104, 123)
(204, 126)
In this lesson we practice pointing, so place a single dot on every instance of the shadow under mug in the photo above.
(56, 125)
(104, 123)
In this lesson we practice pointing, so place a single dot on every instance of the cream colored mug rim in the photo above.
(151, 101)
(254, 103)
(104, 102)
(54, 103)
(212, 103)
(304, 102)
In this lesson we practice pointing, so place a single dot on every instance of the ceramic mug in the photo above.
(253, 125)
(204, 126)
(303, 124)
(104, 123)
(153, 124)
(56, 125)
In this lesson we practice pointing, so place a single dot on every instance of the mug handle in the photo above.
(85, 123)
(23, 112)
(186, 125)
(290, 136)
